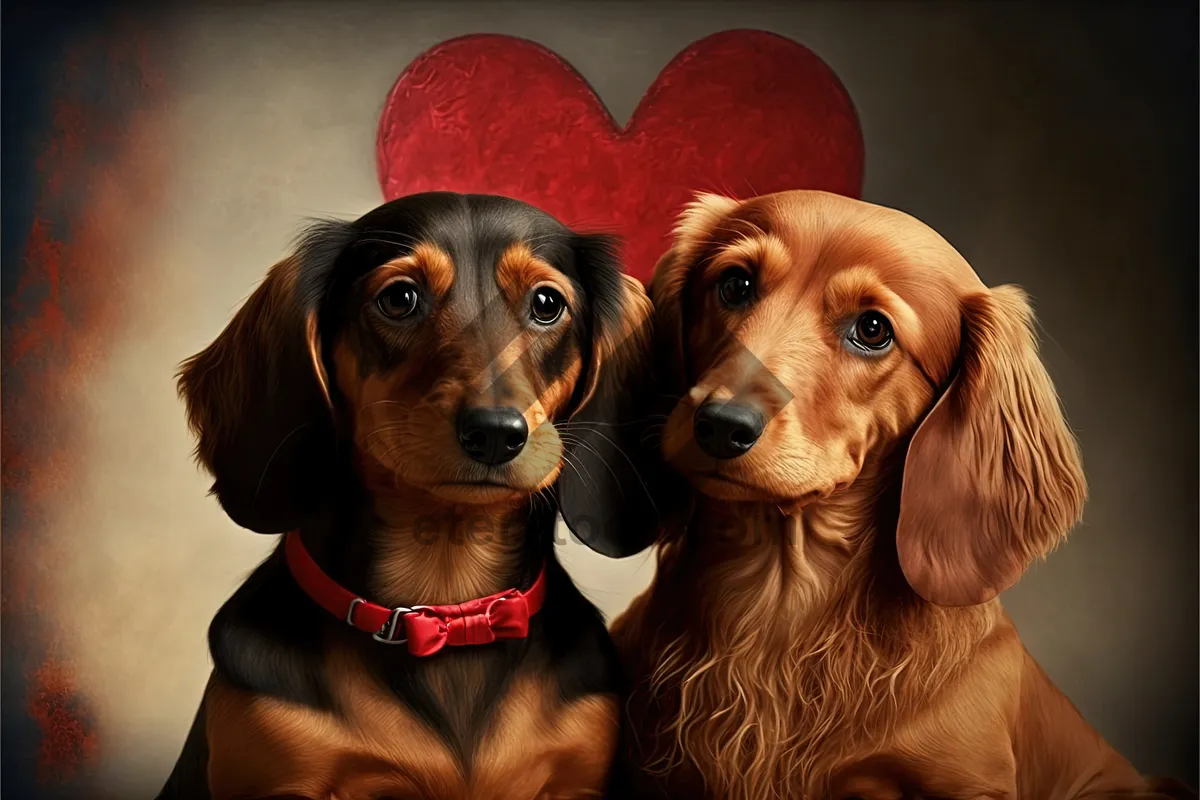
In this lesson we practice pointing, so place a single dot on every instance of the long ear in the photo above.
(609, 490)
(666, 295)
(693, 229)
(258, 397)
(993, 477)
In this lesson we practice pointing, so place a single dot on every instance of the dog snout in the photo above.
(727, 430)
(492, 436)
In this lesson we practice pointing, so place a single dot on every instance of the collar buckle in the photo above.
(387, 634)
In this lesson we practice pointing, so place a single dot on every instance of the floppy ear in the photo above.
(695, 226)
(993, 477)
(609, 490)
(666, 295)
(258, 398)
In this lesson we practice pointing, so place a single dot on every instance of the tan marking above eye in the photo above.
(858, 289)
(519, 271)
(765, 256)
(427, 265)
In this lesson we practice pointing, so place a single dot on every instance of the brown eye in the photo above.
(546, 305)
(872, 332)
(398, 300)
(736, 287)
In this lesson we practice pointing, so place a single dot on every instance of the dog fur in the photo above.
(825, 624)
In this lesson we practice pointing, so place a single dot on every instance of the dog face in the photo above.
(438, 339)
(814, 334)
(455, 353)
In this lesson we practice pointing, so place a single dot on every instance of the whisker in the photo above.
(587, 446)
(628, 460)
(379, 237)
(382, 429)
(578, 469)
(387, 452)
(263, 475)
(389, 403)
(570, 424)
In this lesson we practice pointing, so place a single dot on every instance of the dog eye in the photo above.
(546, 306)
(736, 287)
(398, 300)
(871, 331)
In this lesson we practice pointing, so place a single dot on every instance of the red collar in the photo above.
(426, 629)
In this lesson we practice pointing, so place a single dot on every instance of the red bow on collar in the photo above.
(426, 629)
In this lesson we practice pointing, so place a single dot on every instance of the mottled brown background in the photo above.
(1054, 145)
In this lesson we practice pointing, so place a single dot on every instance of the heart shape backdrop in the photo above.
(740, 112)
(743, 112)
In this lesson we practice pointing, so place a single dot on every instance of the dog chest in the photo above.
(535, 748)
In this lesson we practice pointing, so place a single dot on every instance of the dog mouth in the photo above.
(726, 487)
(477, 492)
(716, 476)
(485, 489)
(481, 484)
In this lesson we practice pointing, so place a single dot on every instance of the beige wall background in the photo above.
(1044, 144)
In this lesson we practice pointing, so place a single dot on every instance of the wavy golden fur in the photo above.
(825, 625)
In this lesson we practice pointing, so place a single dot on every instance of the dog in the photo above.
(409, 398)
(875, 452)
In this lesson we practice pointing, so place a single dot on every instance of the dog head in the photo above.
(439, 344)
(812, 334)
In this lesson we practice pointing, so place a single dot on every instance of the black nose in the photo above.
(727, 430)
(492, 435)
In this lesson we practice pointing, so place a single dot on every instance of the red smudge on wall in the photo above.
(55, 706)
(99, 182)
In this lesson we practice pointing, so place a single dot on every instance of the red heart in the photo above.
(740, 112)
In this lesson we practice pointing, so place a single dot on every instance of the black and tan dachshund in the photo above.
(410, 398)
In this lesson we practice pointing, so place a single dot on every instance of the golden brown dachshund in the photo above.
(875, 452)
(401, 396)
